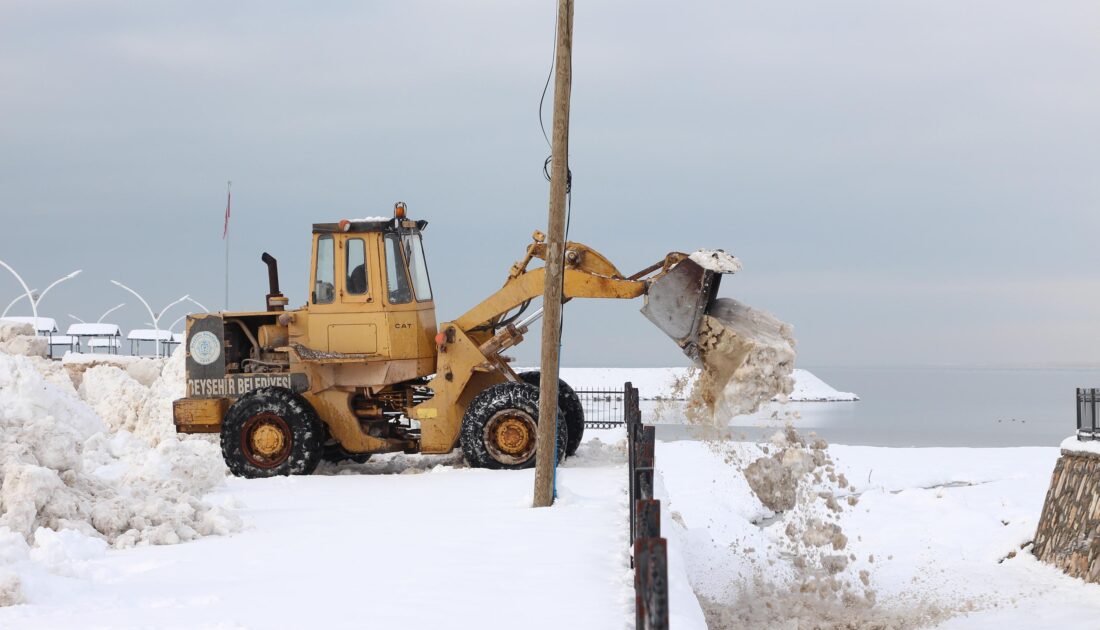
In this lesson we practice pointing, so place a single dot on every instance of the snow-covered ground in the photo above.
(401, 542)
(109, 520)
(944, 528)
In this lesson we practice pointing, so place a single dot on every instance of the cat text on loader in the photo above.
(363, 368)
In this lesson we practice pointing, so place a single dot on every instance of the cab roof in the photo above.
(370, 224)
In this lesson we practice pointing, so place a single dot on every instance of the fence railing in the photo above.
(650, 556)
(1087, 399)
(604, 408)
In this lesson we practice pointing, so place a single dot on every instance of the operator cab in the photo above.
(370, 292)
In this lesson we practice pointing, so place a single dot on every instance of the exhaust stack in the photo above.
(276, 301)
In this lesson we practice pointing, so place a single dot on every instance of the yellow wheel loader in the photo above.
(363, 367)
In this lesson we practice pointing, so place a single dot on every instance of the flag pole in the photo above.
(225, 237)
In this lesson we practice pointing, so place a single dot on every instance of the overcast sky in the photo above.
(907, 182)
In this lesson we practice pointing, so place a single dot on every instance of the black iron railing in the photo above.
(650, 550)
(1087, 420)
(606, 409)
(603, 408)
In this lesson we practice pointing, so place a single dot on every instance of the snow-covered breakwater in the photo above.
(669, 383)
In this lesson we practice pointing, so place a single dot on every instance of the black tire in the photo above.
(570, 405)
(500, 425)
(280, 419)
(335, 453)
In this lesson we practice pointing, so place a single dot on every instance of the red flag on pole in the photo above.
(228, 203)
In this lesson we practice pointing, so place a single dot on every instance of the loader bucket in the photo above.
(677, 301)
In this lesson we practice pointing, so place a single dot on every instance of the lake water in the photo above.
(925, 407)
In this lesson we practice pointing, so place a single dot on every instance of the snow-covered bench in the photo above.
(170, 345)
(111, 344)
(98, 335)
(158, 337)
(69, 342)
(44, 325)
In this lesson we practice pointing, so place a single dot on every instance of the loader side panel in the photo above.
(205, 348)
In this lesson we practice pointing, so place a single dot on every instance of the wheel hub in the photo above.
(510, 436)
(266, 440)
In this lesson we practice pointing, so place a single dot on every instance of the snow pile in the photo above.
(145, 370)
(747, 356)
(805, 576)
(123, 400)
(797, 568)
(98, 464)
(796, 477)
(20, 338)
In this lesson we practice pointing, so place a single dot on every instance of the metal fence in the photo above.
(603, 408)
(1087, 399)
(650, 557)
(609, 408)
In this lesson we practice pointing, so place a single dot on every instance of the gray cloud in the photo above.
(907, 182)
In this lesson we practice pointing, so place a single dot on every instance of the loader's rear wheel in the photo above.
(500, 427)
(271, 431)
(569, 404)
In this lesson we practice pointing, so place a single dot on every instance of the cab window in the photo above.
(396, 279)
(418, 269)
(356, 268)
(324, 287)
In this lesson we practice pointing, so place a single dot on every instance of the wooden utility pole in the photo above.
(555, 255)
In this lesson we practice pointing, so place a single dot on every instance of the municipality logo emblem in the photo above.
(205, 348)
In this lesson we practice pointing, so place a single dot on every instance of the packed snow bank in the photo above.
(126, 404)
(102, 463)
(20, 338)
(145, 370)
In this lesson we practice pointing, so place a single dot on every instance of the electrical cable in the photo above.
(545, 87)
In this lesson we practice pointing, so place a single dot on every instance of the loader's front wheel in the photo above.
(570, 405)
(272, 431)
(500, 427)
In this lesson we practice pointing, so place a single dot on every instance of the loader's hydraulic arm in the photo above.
(678, 292)
(588, 274)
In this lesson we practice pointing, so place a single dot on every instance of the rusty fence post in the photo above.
(650, 557)
(631, 416)
(651, 584)
(643, 483)
(645, 445)
(647, 518)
